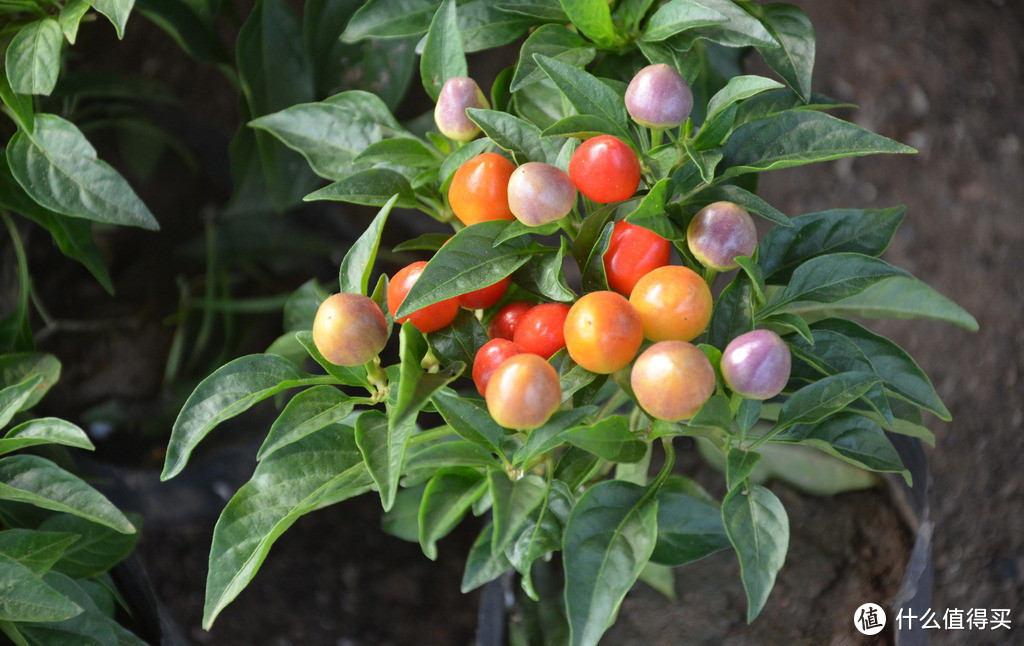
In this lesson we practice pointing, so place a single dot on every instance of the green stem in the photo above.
(656, 134)
(430, 436)
(670, 461)
(617, 399)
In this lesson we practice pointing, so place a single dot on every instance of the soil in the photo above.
(946, 77)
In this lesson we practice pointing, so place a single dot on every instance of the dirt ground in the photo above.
(946, 77)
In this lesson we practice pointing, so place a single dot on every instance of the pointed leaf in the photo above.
(59, 169)
(744, 198)
(608, 539)
(594, 19)
(739, 463)
(519, 137)
(357, 265)
(830, 278)
(390, 19)
(306, 412)
(13, 399)
(689, 524)
(35, 549)
(758, 529)
(447, 498)
(97, 549)
(799, 137)
(443, 56)
(793, 59)
(483, 564)
(732, 314)
(33, 57)
(26, 597)
(228, 391)
(610, 439)
(470, 419)
(588, 94)
(678, 16)
(320, 469)
(346, 375)
(512, 503)
(117, 11)
(40, 482)
(369, 187)
(852, 438)
(824, 397)
(44, 430)
(460, 340)
(739, 29)
(554, 41)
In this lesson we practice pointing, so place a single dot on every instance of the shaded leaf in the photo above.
(32, 61)
(447, 498)
(758, 529)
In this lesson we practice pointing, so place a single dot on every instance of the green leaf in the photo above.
(543, 439)
(322, 22)
(733, 313)
(346, 375)
(793, 59)
(70, 16)
(594, 19)
(460, 340)
(274, 72)
(571, 376)
(370, 187)
(319, 470)
(443, 56)
(468, 262)
(22, 107)
(738, 88)
(864, 231)
(484, 25)
(18, 367)
(44, 430)
(512, 503)
(390, 19)
(817, 400)
(609, 439)
(541, 533)
(415, 387)
(739, 29)
(739, 463)
(588, 94)
(608, 539)
(470, 419)
(357, 265)
(33, 57)
(117, 11)
(483, 563)
(27, 597)
(447, 453)
(189, 23)
(228, 391)
(832, 277)
(58, 168)
(758, 529)
(447, 498)
(553, 41)
(799, 137)
(97, 549)
(39, 482)
(744, 198)
(715, 413)
(37, 550)
(13, 398)
(459, 157)
(689, 524)
(307, 412)
(519, 137)
(652, 205)
(582, 126)
(425, 242)
(402, 520)
(852, 438)
(544, 274)
(678, 16)
(898, 298)
(771, 103)
(331, 133)
(403, 151)
(899, 372)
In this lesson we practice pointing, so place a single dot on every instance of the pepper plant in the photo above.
(753, 346)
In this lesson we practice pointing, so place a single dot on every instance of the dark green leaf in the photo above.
(415, 387)
(899, 298)
(576, 467)
(689, 524)
(865, 231)
(680, 15)
(447, 498)
(470, 419)
(587, 93)
(116, 11)
(572, 376)
(850, 437)
(733, 314)
(899, 372)
(370, 187)
(320, 469)
(484, 26)
(520, 138)
(832, 277)
(37, 550)
(483, 564)
(443, 56)
(512, 503)
(460, 340)
(97, 549)
(748, 414)
(799, 137)
(322, 21)
(739, 88)
(773, 102)
(785, 323)
(189, 23)
(453, 453)
(595, 277)
(425, 242)
(554, 41)
(582, 126)
(541, 533)
(357, 265)
(33, 57)
(39, 482)
(793, 59)
(13, 398)
(404, 151)
(307, 412)
(610, 439)
(228, 391)
(824, 397)
(544, 274)
(608, 539)
(58, 168)
(44, 430)
(27, 597)
(715, 413)
(402, 520)
(469, 261)
(543, 439)
(537, 10)
(390, 19)
(739, 29)
(594, 19)
(758, 529)
(22, 107)
(331, 133)
(739, 464)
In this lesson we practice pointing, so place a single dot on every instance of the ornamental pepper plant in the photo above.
(627, 287)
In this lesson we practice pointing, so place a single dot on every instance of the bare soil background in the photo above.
(946, 77)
